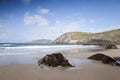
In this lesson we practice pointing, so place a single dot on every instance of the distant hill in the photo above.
(112, 36)
(72, 37)
(107, 37)
(43, 41)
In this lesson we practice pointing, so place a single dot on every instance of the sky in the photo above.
(27, 20)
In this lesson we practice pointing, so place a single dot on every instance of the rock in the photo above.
(71, 37)
(54, 60)
(110, 46)
(95, 41)
(104, 59)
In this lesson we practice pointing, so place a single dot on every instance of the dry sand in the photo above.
(93, 71)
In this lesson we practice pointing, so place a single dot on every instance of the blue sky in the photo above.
(26, 20)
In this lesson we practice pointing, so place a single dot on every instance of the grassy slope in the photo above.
(42, 41)
(79, 35)
(112, 35)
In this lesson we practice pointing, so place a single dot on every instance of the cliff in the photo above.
(107, 37)
(72, 37)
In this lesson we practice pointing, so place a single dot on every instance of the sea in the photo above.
(30, 53)
(32, 48)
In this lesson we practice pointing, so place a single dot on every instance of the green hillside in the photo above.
(42, 41)
(112, 36)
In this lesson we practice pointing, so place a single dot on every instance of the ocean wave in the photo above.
(7, 54)
(46, 47)
(39, 49)
(6, 45)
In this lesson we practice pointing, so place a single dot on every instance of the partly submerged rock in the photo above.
(104, 59)
(54, 60)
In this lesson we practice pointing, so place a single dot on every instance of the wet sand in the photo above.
(93, 71)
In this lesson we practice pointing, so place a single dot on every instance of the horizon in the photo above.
(27, 20)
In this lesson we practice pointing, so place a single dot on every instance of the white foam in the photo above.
(7, 44)
(78, 61)
(38, 49)
(12, 54)
(29, 47)
(54, 46)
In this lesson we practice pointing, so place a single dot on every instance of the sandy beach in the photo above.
(59, 39)
(92, 71)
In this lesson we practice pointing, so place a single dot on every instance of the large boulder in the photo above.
(104, 59)
(54, 60)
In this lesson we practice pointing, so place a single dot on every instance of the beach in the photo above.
(59, 39)
(87, 70)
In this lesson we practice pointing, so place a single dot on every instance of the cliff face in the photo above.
(71, 37)
(113, 36)
(106, 37)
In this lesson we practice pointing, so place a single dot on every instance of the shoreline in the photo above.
(93, 71)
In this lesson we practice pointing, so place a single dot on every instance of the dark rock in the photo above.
(110, 46)
(54, 60)
(104, 59)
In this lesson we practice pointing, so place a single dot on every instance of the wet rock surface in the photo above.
(104, 59)
(54, 60)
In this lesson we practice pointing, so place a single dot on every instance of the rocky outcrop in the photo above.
(104, 59)
(94, 42)
(109, 46)
(71, 37)
(64, 39)
(54, 60)
(107, 37)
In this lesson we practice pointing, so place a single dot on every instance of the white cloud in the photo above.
(63, 27)
(43, 11)
(73, 26)
(26, 1)
(35, 20)
(54, 31)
